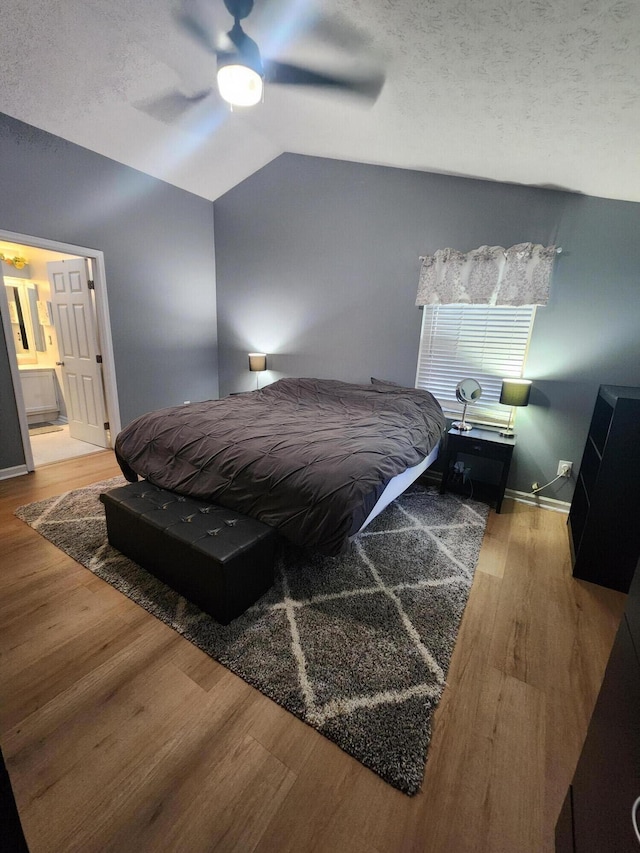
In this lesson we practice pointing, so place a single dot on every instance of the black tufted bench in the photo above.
(218, 559)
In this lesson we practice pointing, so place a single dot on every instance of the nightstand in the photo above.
(494, 451)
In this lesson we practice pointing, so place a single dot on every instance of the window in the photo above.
(484, 342)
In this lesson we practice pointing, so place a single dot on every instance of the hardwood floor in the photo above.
(119, 735)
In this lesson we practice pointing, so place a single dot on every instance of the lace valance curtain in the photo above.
(489, 275)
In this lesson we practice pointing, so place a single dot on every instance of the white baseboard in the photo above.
(522, 497)
(538, 500)
(42, 417)
(16, 471)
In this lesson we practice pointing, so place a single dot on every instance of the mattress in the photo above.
(400, 484)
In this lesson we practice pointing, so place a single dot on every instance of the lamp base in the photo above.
(508, 433)
(462, 426)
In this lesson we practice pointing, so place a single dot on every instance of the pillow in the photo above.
(385, 382)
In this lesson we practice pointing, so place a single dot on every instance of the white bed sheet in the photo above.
(399, 484)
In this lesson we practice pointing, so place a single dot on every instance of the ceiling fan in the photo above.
(241, 71)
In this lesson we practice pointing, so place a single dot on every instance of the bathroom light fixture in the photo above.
(16, 262)
(514, 392)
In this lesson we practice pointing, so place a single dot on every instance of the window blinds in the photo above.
(483, 342)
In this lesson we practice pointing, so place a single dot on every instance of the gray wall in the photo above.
(317, 265)
(159, 257)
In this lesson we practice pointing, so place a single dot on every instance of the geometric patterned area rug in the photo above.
(357, 646)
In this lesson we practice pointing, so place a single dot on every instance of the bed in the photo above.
(314, 458)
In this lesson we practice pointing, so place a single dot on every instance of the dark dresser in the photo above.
(596, 816)
(604, 536)
(604, 519)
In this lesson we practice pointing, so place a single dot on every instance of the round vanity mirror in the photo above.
(467, 391)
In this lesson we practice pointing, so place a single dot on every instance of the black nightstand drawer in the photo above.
(484, 444)
(481, 448)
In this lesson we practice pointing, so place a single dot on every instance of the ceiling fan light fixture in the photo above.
(239, 85)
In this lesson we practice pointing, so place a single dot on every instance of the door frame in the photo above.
(103, 328)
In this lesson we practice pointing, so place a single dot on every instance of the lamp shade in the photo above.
(257, 361)
(515, 392)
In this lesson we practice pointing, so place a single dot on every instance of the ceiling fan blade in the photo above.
(171, 107)
(196, 20)
(368, 87)
(337, 32)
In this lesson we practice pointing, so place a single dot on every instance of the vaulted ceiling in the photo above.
(524, 91)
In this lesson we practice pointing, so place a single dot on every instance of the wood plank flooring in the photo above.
(119, 735)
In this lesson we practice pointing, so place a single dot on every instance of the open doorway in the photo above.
(51, 342)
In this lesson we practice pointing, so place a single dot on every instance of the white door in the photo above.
(78, 350)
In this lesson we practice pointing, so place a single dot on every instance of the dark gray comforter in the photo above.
(308, 456)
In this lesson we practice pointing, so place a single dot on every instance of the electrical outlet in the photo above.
(565, 468)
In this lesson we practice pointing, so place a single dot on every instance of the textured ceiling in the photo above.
(524, 91)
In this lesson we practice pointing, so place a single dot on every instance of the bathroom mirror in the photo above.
(28, 334)
(467, 391)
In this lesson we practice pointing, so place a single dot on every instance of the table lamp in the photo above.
(514, 392)
(257, 363)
